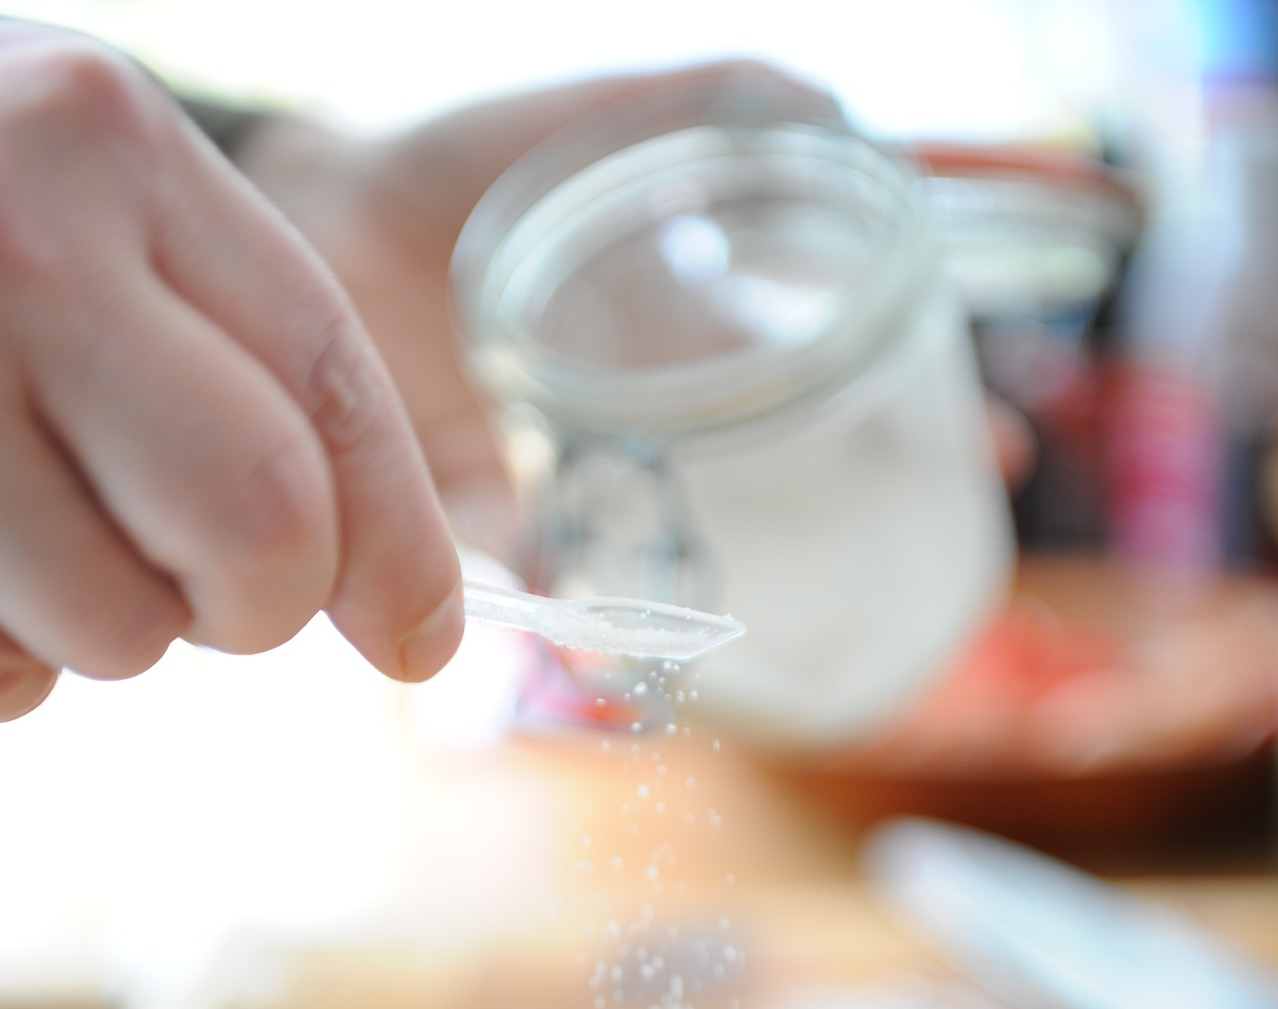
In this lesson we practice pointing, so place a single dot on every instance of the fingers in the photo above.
(396, 593)
(72, 590)
(208, 467)
(197, 437)
(403, 299)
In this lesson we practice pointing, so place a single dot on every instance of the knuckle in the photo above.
(72, 81)
(71, 110)
(277, 512)
(345, 393)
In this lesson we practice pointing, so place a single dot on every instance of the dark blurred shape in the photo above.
(1037, 242)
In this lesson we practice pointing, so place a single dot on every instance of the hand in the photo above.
(197, 437)
(386, 214)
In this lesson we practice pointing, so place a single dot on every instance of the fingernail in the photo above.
(428, 649)
(24, 689)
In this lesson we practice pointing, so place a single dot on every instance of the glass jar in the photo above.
(722, 322)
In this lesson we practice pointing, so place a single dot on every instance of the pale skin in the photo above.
(220, 398)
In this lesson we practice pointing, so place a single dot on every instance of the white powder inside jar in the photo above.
(861, 551)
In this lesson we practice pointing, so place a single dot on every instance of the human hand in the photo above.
(198, 438)
(386, 214)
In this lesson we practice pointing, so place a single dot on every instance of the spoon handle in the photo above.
(509, 607)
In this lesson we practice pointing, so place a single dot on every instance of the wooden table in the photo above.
(534, 863)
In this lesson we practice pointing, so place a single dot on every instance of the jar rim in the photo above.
(638, 139)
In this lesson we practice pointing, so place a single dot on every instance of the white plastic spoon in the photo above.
(605, 624)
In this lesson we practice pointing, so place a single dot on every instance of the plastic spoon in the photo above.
(605, 624)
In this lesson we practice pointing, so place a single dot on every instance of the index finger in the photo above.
(398, 596)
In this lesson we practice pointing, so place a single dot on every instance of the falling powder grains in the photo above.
(643, 951)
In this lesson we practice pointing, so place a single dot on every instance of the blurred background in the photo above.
(290, 830)
(1009, 69)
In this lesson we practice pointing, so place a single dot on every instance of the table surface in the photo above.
(553, 851)
(402, 862)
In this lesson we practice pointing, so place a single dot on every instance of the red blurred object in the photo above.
(1109, 709)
